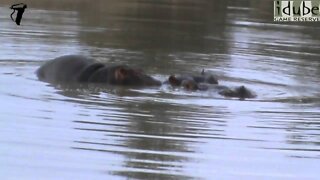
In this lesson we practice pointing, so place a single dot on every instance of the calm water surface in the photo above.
(51, 132)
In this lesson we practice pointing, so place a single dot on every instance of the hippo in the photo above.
(80, 69)
(176, 80)
(239, 92)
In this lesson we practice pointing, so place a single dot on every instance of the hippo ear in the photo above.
(173, 80)
(88, 71)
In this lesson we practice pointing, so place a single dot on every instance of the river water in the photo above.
(51, 132)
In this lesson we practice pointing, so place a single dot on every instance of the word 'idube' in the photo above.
(296, 10)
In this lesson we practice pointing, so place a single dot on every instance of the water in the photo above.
(49, 132)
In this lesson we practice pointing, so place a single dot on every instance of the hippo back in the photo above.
(64, 69)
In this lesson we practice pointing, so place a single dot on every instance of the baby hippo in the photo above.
(79, 69)
(202, 78)
(240, 92)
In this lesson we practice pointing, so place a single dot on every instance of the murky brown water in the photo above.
(160, 133)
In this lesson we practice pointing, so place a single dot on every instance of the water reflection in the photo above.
(159, 138)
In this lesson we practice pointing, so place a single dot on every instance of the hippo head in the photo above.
(189, 85)
(192, 85)
(123, 75)
(241, 92)
(244, 92)
(177, 80)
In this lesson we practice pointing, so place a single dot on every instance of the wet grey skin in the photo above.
(80, 69)
(176, 80)
(239, 92)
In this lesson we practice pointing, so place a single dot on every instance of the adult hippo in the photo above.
(239, 92)
(80, 69)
